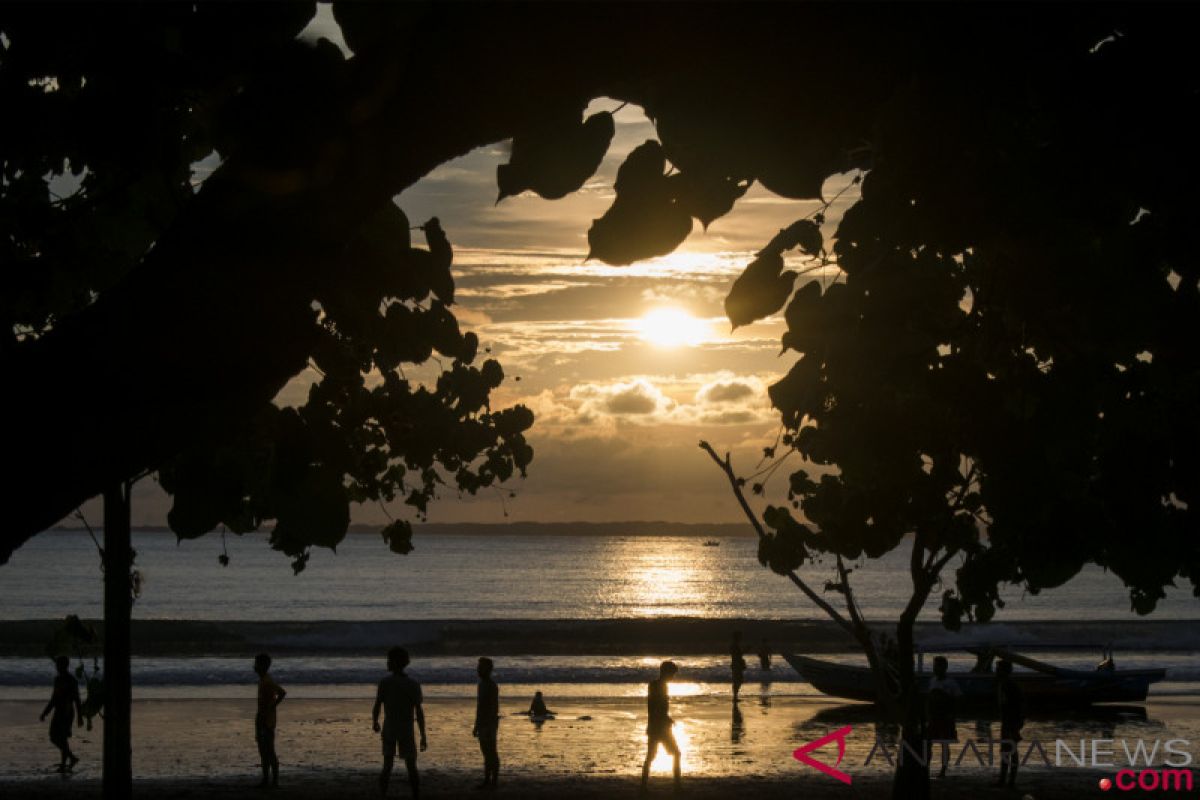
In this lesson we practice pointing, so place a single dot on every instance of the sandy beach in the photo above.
(590, 787)
(204, 748)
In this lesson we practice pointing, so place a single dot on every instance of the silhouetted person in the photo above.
(764, 656)
(487, 723)
(538, 707)
(737, 663)
(400, 698)
(983, 662)
(64, 702)
(1012, 718)
(659, 722)
(270, 695)
(941, 705)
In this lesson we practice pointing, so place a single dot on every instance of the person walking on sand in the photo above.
(270, 695)
(738, 663)
(64, 702)
(659, 722)
(1011, 701)
(400, 698)
(487, 723)
(764, 656)
(941, 704)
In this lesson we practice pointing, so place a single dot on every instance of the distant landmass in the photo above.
(584, 528)
(539, 529)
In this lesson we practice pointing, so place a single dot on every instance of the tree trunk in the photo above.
(911, 781)
(118, 605)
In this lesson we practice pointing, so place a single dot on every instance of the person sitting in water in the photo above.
(538, 707)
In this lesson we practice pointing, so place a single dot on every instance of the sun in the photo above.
(671, 327)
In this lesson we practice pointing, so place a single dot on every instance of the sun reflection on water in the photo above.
(667, 584)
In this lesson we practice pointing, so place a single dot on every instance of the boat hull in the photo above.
(1063, 688)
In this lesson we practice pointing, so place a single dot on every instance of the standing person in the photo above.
(764, 656)
(487, 723)
(64, 702)
(941, 706)
(738, 663)
(270, 695)
(659, 722)
(1012, 718)
(400, 698)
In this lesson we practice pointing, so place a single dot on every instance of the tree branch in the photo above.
(816, 599)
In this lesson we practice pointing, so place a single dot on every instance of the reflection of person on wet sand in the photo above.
(659, 722)
(64, 702)
(737, 728)
(537, 708)
(400, 698)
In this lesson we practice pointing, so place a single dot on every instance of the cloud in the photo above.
(634, 399)
(666, 403)
(742, 417)
(725, 391)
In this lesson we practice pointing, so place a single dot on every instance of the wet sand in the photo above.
(592, 787)
(204, 748)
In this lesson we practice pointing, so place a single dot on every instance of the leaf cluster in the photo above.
(366, 433)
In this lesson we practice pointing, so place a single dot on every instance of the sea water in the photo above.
(472, 577)
(341, 599)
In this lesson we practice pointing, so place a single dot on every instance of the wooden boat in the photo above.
(1044, 685)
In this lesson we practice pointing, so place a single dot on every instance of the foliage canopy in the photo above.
(1006, 369)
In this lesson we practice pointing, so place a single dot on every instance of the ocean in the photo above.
(593, 613)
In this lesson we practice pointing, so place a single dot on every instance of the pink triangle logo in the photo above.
(802, 754)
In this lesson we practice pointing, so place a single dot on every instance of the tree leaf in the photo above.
(759, 291)
(557, 157)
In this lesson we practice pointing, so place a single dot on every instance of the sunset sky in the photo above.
(626, 368)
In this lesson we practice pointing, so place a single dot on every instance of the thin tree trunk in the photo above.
(118, 605)
(911, 781)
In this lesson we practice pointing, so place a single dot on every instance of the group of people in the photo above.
(399, 699)
(940, 714)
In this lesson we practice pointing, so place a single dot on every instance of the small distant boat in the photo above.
(711, 543)
(1044, 685)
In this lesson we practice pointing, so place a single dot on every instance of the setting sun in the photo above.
(672, 327)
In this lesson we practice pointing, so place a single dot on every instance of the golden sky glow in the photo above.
(625, 367)
(672, 327)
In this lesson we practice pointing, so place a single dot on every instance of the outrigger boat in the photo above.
(1044, 685)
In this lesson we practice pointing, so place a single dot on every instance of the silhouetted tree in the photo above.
(1003, 377)
(120, 106)
(1010, 335)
